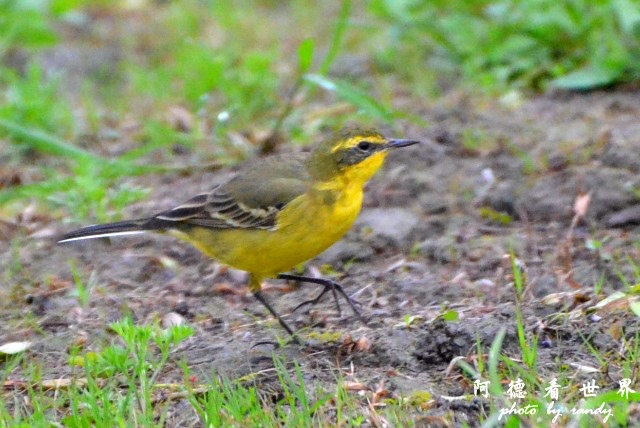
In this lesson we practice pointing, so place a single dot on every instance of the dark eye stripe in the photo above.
(357, 153)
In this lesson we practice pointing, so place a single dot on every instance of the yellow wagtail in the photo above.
(276, 213)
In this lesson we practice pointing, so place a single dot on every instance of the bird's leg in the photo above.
(328, 284)
(258, 295)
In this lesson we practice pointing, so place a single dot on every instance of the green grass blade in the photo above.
(46, 143)
(39, 190)
(336, 37)
(494, 357)
(305, 55)
(353, 95)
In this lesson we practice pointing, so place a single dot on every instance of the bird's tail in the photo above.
(127, 227)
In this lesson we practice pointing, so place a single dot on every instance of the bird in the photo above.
(275, 212)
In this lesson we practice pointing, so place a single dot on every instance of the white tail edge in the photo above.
(102, 235)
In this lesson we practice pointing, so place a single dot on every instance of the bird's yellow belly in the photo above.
(305, 229)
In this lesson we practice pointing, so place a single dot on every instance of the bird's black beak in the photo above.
(394, 144)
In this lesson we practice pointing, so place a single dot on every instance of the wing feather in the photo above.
(249, 201)
(220, 211)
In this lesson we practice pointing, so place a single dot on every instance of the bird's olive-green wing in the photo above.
(250, 200)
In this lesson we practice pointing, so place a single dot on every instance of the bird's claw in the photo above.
(333, 287)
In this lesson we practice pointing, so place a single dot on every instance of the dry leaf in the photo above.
(12, 348)
(566, 276)
(56, 383)
(62, 383)
(363, 344)
(554, 299)
(168, 262)
(584, 369)
(355, 386)
(57, 284)
(15, 385)
(347, 344)
(581, 204)
(395, 265)
(460, 278)
(172, 319)
(616, 330)
(46, 232)
(380, 393)
(81, 339)
(226, 288)
(180, 119)
(347, 340)
(281, 288)
(609, 300)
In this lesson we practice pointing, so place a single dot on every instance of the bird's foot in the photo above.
(329, 285)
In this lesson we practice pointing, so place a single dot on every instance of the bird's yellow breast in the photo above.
(306, 227)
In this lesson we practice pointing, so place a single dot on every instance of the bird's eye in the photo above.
(365, 146)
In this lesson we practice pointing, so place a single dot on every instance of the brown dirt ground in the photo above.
(422, 244)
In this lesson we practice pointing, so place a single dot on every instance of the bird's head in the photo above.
(352, 154)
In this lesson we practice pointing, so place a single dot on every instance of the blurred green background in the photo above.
(97, 91)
